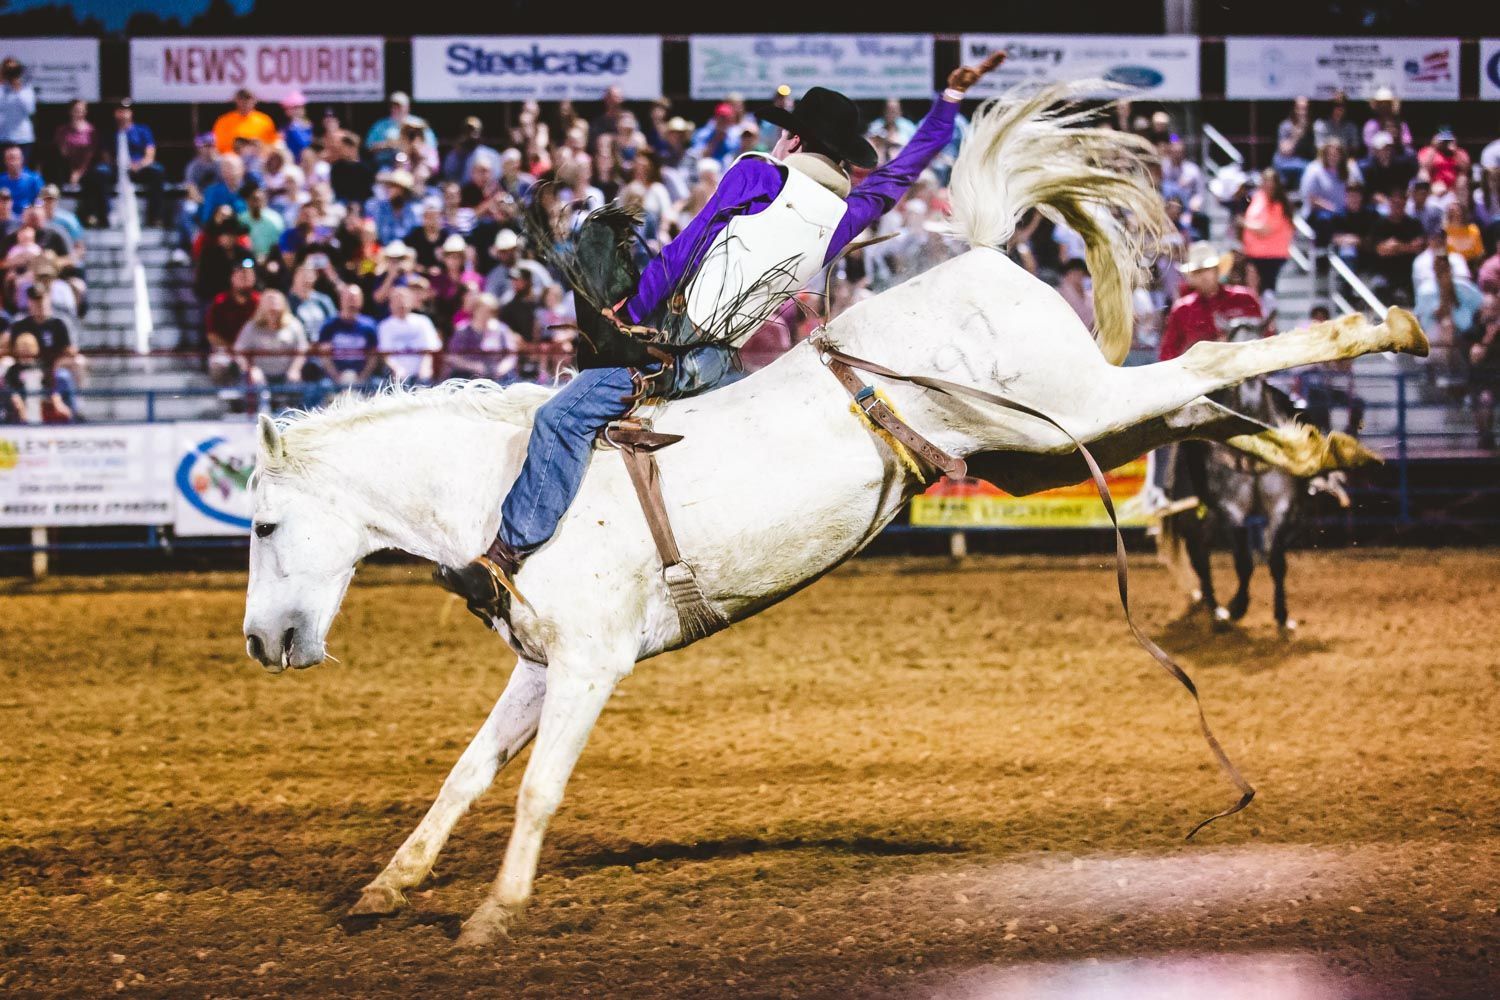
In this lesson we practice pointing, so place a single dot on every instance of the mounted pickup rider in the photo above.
(673, 331)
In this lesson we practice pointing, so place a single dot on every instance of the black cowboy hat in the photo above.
(829, 119)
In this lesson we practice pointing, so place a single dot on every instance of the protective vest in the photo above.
(757, 262)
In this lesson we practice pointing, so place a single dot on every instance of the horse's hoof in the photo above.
(378, 901)
(490, 922)
(1288, 628)
(1222, 619)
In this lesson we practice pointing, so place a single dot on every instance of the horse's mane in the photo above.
(305, 432)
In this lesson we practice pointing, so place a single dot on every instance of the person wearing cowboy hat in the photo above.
(399, 212)
(1202, 313)
(774, 221)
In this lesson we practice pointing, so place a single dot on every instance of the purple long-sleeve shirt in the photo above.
(753, 183)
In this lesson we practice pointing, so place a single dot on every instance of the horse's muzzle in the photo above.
(289, 649)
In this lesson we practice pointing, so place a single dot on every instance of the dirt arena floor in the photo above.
(912, 780)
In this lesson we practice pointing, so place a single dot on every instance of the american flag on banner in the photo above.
(1431, 68)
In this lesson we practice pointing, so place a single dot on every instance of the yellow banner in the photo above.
(976, 504)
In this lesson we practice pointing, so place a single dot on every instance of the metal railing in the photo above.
(1307, 260)
(129, 208)
(1217, 139)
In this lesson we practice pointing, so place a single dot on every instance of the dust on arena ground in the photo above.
(910, 779)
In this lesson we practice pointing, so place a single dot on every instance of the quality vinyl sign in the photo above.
(1164, 67)
(861, 66)
(461, 68)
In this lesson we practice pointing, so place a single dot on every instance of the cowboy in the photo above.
(774, 222)
(1203, 314)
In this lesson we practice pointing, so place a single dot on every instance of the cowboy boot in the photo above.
(487, 584)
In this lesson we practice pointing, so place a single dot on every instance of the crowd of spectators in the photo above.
(323, 256)
(1419, 222)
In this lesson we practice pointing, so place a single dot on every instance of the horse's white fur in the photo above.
(775, 484)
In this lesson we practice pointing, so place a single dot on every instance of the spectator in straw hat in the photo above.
(1385, 116)
(506, 252)
(397, 269)
(397, 211)
(452, 282)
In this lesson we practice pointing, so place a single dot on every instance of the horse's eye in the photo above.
(264, 530)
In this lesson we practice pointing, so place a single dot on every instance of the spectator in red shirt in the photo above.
(1444, 161)
(1200, 314)
(227, 316)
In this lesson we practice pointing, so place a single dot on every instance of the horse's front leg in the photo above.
(577, 688)
(510, 726)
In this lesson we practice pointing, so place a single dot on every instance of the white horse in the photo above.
(775, 483)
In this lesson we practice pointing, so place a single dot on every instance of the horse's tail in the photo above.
(1038, 149)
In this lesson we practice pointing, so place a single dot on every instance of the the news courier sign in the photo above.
(459, 68)
(1163, 67)
(862, 66)
(210, 70)
(61, 69)
(78, 474)
(1416, 69)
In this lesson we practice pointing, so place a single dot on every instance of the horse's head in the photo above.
(303, 548)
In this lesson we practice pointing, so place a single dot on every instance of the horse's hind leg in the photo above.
(1278, 536)
(1244, 568)
(510, 726)
(1199, 544)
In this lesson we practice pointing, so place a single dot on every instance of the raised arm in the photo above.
(880, 191)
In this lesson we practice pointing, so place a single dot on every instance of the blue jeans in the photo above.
(557, 455)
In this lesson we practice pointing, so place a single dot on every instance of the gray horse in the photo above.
(1232, 488)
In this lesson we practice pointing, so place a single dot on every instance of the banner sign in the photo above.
(975, 504)
(65, 475)
(1163, 67)
(1489, 69)
(535, 67)
(209, 469)
(861, 66)
(210, 70)
(1416, 69)
(61, 69)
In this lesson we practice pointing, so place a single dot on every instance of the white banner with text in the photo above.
(61, 69)
(461, 68)
(66, 475)
(861, 66)
(210, 70)
(1415, 69)
(1163, 67)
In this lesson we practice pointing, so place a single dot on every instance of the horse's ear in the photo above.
(270, 440)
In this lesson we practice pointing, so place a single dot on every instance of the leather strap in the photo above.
(637, 444)
(1122, 566)
(645, 476)
(880, 412)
